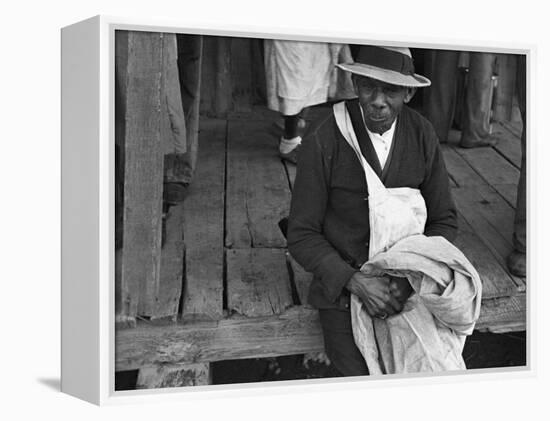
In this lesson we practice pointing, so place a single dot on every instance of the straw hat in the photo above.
(392, 65)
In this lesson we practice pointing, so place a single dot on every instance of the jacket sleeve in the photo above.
(306, 242)
(442, 218)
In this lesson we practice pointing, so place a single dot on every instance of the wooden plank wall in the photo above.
(233, 76)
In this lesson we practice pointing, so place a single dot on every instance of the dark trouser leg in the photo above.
(520, 218)
(340, 345)
(516, 261)
(476, 128)
(439, 98)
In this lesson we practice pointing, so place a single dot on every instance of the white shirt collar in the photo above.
(381, 142)
(385, 137)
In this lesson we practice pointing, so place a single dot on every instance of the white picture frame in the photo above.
(88, 333)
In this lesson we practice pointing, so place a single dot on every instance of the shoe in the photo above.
(291, 156)
(489, 141)
(516, 264)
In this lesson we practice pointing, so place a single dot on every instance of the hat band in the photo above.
(386, 59)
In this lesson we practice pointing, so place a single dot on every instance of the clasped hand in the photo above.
(382, 295)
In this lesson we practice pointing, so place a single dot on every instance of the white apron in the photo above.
(412, 340)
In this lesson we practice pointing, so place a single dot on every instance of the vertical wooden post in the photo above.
(241, 70)
(258, 72)
(224, 94)
(143, 175)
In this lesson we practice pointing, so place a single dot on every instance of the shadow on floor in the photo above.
(51, 383)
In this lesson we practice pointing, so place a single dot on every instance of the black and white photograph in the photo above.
(290, 210)
(294, 209)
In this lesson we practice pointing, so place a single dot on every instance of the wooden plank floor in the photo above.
(260, 279)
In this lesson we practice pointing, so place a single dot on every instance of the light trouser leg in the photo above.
(477, 108)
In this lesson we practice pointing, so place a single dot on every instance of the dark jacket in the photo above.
(328, 230)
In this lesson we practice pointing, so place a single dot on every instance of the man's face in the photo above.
(381, 102)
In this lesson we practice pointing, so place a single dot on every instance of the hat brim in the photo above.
(388, 76)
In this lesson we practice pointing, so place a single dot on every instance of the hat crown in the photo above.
(397, 59)
(403, 50)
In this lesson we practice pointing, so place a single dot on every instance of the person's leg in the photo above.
(516, 260)
(190, 65)
(339, 343)
(180, 167)
(291, 139)
(477, 108)
(439, 98)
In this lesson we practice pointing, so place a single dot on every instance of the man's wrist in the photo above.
(350, 285)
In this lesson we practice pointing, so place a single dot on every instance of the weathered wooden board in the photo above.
(258, 195)
(491, 219)
(241, 70)
(492, 166)
(509, 193)
(495, 279)
(258, 71)
(505, 314)
(171, 266)
(296, 331)
(459, 169)
(140, 272)
(216, 91)
(223, 97)
(302, 279)
(121, 80)
(208, 76)
(257, 113)
(258, 282)
(174, 375)
(204, 227)
(485, 209)
(515, 125)
(508, 144)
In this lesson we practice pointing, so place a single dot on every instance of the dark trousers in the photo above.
(339, 343)
(520, 223)
(441, 66)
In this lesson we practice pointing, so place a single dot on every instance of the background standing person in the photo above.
(298, 75)
(181, 167)
(517, 259)
(476, 129)
(440, 97)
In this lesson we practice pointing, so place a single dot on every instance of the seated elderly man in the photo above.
(329, 230)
